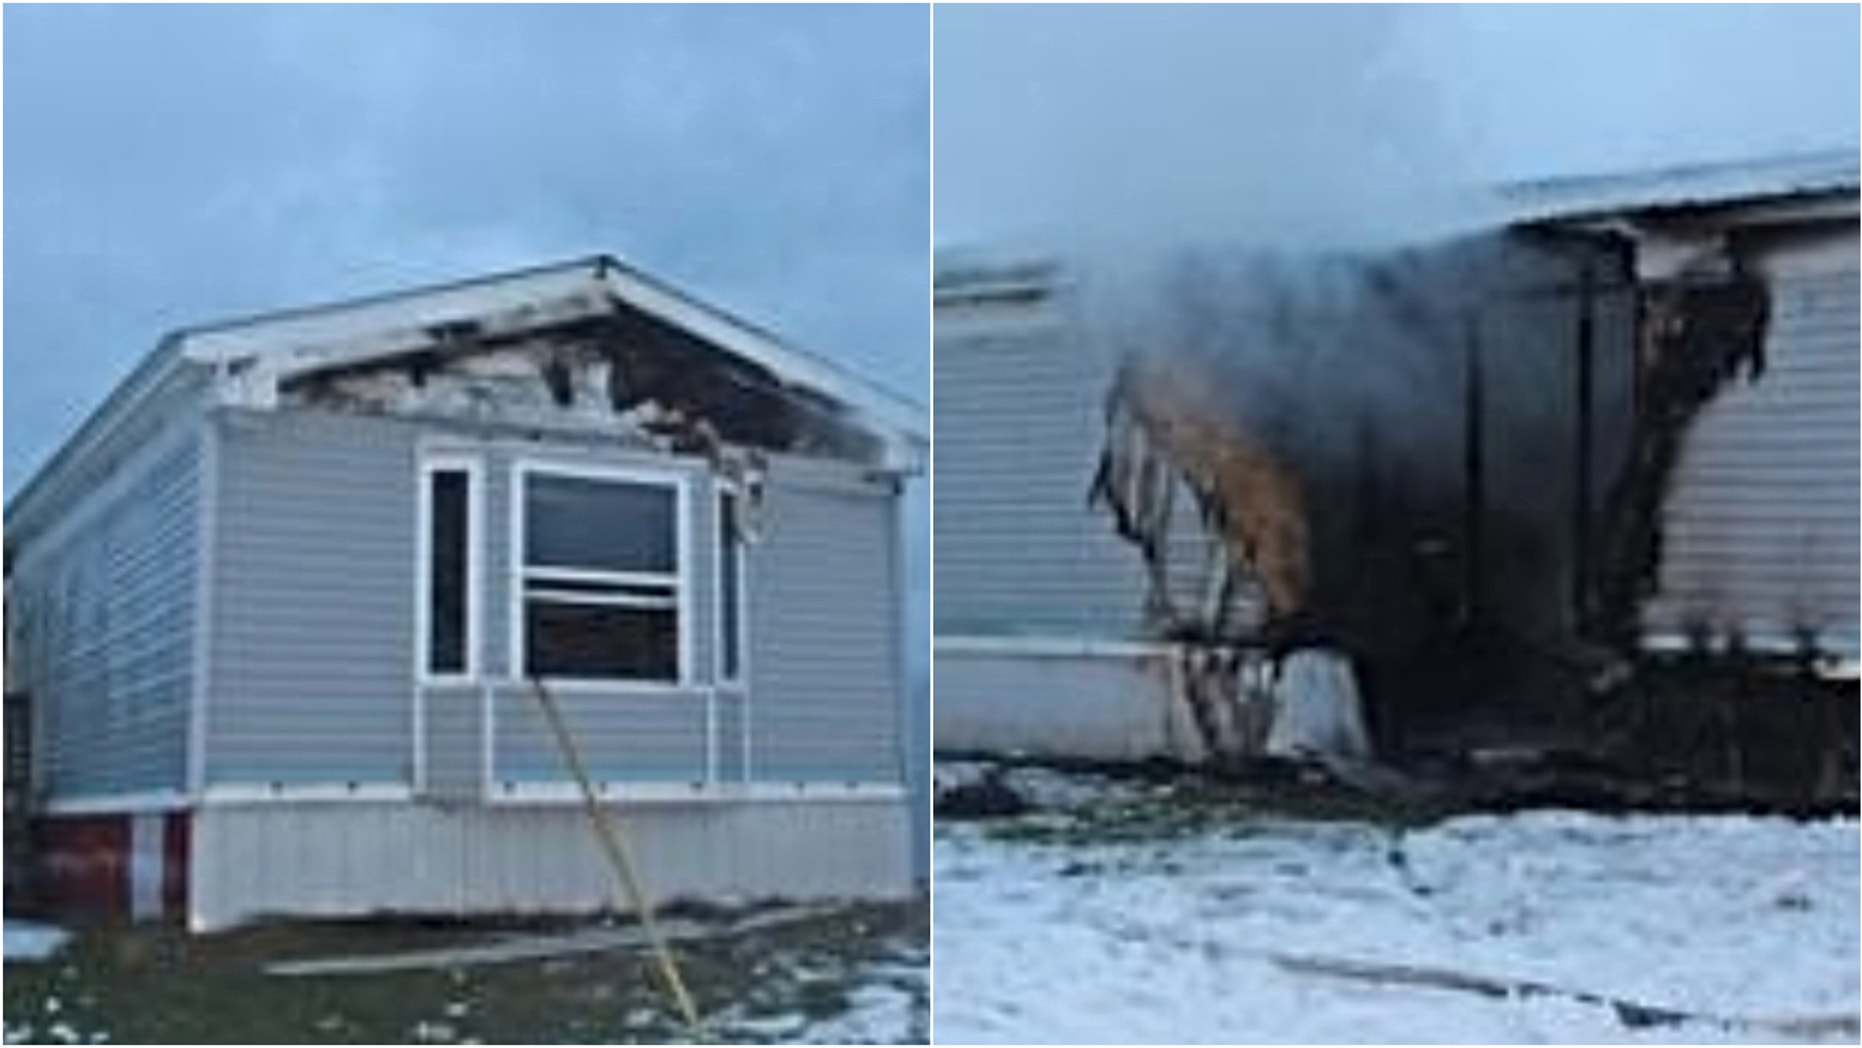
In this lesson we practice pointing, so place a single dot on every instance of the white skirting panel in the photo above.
(353, 858)
(1059, 697)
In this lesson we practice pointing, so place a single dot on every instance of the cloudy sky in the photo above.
(168, 166)
(1351, 121)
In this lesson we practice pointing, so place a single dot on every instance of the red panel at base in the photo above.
(83, 864)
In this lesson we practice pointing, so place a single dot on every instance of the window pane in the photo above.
(598, 641)
(447, 543)
(728, 609)
(599, 525)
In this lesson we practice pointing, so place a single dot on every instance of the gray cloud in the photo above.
(167, 166)
(172, 165)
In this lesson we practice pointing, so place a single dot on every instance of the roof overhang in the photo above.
(1774, 190)
(255, 358)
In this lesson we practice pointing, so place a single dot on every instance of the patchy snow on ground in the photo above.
(1045, 933)
(31, 940)
(888, 1003)
(858, 973)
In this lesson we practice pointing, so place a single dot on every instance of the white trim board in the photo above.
(132, 802)
(553, 793)
(721, 490)
(313, 792)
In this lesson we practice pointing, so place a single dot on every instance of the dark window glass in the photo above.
(729, 613)
(447, 543)
(601, 641)
(597, 525)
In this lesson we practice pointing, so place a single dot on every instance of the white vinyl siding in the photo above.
(1760, 531)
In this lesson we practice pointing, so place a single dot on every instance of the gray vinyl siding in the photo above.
(1019, 424)
(454, 721)
(825, 628)
(313, 624)
(732, 709)
(656, 737)
(1761, 525)
(105, 610)
(313, 649)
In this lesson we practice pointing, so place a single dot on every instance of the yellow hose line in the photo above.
(620, 858)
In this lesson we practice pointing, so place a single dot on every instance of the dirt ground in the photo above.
(856, 974)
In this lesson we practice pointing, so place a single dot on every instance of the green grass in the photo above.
(157, 985)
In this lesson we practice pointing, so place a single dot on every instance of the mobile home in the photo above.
(276, 607)
(1619, 418)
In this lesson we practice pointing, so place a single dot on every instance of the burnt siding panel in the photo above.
(1761, 528)
(824, 613)
(1020, 423)
(313, 591)
(106, 626)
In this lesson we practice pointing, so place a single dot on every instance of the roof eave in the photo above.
(891, 416)
(138, 393)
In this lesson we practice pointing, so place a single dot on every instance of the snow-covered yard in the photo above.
(1131, 914)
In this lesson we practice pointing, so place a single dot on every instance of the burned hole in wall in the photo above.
(1448, 463)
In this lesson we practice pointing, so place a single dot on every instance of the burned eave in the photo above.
(619, 369)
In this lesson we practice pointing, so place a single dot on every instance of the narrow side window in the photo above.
(730, 591)
(448, 598)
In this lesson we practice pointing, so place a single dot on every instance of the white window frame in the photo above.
(718, 675)
(521, 471)
(473, 468)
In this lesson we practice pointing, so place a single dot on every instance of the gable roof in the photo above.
(250, 357)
